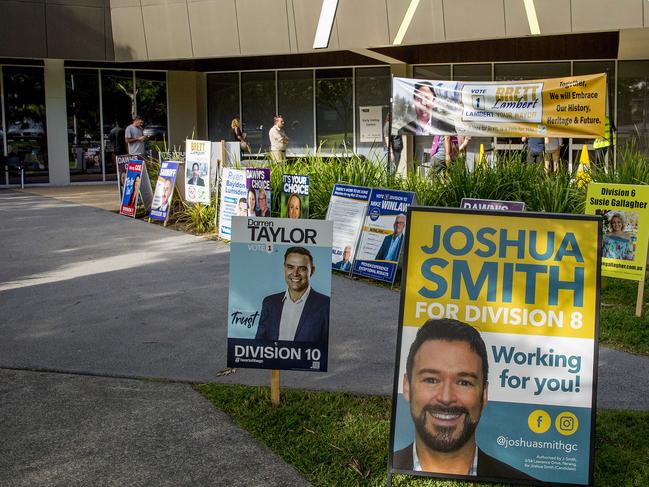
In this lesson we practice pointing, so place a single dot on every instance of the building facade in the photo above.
(72, 72)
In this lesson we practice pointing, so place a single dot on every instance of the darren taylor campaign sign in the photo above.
(280, 288)
(383, 234)
(496, 367)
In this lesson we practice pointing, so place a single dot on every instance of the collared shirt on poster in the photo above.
(416, 465)
(395, 246)
(291, 313)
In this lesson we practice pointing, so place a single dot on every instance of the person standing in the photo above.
(393, 146)
(278, 140)
(552, 150)
(535, 148)
(134, 136)
(237, 135)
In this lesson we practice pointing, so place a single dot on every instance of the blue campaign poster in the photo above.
(383, 234)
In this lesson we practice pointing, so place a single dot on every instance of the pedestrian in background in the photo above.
(278, 140)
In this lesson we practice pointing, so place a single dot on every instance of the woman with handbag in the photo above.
(237, 135)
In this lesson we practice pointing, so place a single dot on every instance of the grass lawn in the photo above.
(619, 327)
(340, 439)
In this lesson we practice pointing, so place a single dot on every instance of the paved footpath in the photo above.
(86, 291)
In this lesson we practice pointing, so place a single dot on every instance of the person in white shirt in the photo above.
(278, 140)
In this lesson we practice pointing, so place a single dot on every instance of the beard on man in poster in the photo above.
(164, 190)
(497, 349)
(383, 234)
(347, 209)
(295, 196)
(280, 288)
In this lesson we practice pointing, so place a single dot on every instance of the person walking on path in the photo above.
(278, 140)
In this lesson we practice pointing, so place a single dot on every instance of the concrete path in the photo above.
(69, 430)
(86, 291)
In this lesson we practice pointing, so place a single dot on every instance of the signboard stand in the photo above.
(638, 304)
(274, 387)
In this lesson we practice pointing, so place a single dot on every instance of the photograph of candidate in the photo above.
(391, 245)
(294, 205)
(446, 386)
(252, 202)
(242, 207)
(617, 243)
(196, 179)
(424, 97)
(299, 313)
(345, 264)
(165, 196)
(262, 201)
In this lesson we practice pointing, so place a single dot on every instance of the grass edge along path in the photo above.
(341, 439)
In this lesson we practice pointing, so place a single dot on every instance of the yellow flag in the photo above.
(481, 154)
(583, 171)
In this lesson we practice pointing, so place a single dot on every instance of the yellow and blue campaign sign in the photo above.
(624, 209)
(497, 350)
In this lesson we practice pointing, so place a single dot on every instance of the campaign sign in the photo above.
(232, 200)
(258, 185)
(280, 288)
(121, 164)
(131, 188)
(383, 234)
(624, 209)
(347, 208)
(496, 364)
(197, 171)
(164, 190)
(495, 205)
(295, 196)
(556, 107)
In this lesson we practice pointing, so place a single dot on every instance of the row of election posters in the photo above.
(246, 192)
(369, 229)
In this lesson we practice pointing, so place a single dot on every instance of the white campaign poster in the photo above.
(370, 123)
(232, 200)
(347, 209)
(197, 171)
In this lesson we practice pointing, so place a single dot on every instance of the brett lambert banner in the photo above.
(164, 190)
(557, 107)
(625, 210)
(383, 234)
(295, 196)
(197, 171)
(347, 208)
(521, 291)
(280, 288)
(131, 188)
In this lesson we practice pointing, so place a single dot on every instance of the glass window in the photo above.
(84, 139)
(433, 71)
(222, 104)
(258, 107)
(373, 96)
(152, 106)
(633, 104)
(118, 102)
(334, 113)
(520, 71)
(24, 102)
(295, 103)
(472, 72)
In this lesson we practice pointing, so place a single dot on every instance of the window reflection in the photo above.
(257, 107)
(118, 101)
(295, 103)
(152, 105)
(24, 103)
(222, 103)
(334, 113)
(633, 102)
(84, 141)
(372, 90)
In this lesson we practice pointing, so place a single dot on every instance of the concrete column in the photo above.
(183, 92)
(57, 123)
